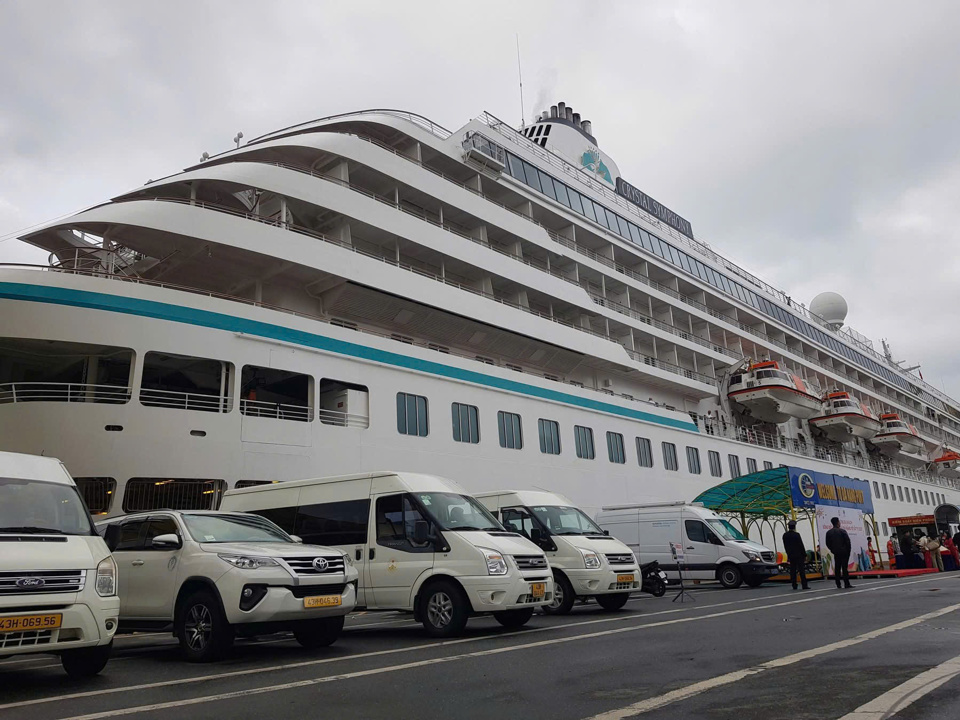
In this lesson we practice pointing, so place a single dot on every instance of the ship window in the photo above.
(716, 469)
(736, 380)
(172, 494)
(885, 530)
(751, 465)
(546, 184)
(734, 461)
(97, 493)
(510, 430)
(278, 394)
(515, 166)
(693, 460)
(344, 404)
(876, 488)
(54, 371)
(549, 436)
(914, 492)
(561, 193)
(900, 492)
(186, 383)
(644, 452)
(583, 437)
(466, 423)
(624, 227)
(588, 208)
(412, 414)
(767, 465)
(670, 456)
(533, 176)
(615, 450)
(575, 202)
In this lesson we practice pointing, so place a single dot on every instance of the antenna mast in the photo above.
(520, 75)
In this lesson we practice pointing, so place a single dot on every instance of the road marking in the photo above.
(497, 651)
(895, 700)
(689, 691)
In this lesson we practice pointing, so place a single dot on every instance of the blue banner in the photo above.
(809, 488)
(853, 493)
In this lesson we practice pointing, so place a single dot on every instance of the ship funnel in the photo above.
(570, 114)
(561, 110)
(587, 127)
(576, 119)
(553, 111)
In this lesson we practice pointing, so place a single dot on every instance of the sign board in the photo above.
(809, 489)
(851, 520)
(676, 549)
(661, 212)
(912, 520)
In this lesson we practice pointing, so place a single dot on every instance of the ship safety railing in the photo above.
(142, 494)
(97, 493)
(276, 411)
(344, 419)
(20, 392)
(154, 397)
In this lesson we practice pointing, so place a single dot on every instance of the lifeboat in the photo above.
(773, 395)
(845, 418)
(948, 464)
(899, 440)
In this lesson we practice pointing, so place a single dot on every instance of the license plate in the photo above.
(321, 601)
(625, 578)
(19, 623)
(538, 590)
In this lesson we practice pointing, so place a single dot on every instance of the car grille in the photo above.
(42, 581)
(302, 591)
(768, 556)
(621, 559)
(25, 639)
(531, 562)
(304, 566)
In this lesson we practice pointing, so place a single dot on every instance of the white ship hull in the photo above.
(777, 404)
(845, 427)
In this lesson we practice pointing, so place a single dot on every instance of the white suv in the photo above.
(212, 575)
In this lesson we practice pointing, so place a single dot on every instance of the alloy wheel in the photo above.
(198, 627)
(440, 610)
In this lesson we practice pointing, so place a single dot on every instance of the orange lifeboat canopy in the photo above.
(948, 456)
(838, 396)
(766, 365)
(890, 416)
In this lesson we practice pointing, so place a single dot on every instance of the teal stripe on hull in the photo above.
(231, 323)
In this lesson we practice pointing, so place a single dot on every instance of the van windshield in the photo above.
(34, 507)
(225, 528)
(566, 520)
(725, 530)
(457, 512)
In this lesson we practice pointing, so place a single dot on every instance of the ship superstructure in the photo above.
(372, 290)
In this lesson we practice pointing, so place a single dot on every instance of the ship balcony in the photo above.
(484, 151)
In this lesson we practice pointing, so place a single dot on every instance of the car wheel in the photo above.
(86, 662)
(443, 609)
(202, 629)
(613, 602)
(563, 596)
(729, 576)
(319, 633)
(514, 618)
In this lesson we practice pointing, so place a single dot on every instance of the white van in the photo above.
(586, 562)
(710, 547)
(419, 542)
(58, 582)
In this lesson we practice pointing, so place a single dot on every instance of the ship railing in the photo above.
(275, 410)
(154, 397)
(344, 419)
(426, 123)
(63, 392)
(142, 494)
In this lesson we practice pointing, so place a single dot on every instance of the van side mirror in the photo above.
(536, 535)
(421, 532)
(606, 532)
(297, 539)
(166, 542)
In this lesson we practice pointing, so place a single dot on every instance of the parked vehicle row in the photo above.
(301, 555)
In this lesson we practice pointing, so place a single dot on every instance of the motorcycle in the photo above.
(653, 580)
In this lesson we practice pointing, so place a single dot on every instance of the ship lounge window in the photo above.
(615, 448)
(693, 460)
(172, 494)
(466, 423)
(549, 436)
(876, 489)
(186, 383)
(751, 465)
(279, 394)
(716, 469)
(54, 371)
(510, 430)
(914, 491)
(767, 465)
(734, 461)
(900, 492)
(344, 404)
(412, 415)
(644, 452)
(583, 438)
(670, 456)
(97, 493)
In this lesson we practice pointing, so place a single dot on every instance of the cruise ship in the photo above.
(500, 306)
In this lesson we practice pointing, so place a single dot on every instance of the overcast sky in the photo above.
(815, 143)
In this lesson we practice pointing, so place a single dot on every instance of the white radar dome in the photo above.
(831, 307)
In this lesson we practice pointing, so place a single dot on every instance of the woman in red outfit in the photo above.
(949, 543)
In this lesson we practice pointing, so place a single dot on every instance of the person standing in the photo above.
(872, 552)
(892, 551)
(838, 542)
(796, 555)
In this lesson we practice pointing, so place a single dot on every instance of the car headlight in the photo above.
(496, 562)
(247, 562)
(107, 577)
(591, 561)
(752, 556)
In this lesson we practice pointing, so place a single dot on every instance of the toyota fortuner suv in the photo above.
(213, 575)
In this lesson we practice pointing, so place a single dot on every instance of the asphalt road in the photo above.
(887, 649)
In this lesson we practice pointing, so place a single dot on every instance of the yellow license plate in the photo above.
(625, 578)
(538, 590)
(19, 623)
(321, 601)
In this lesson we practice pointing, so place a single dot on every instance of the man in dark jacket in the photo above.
(796, 554)
(838, 542)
